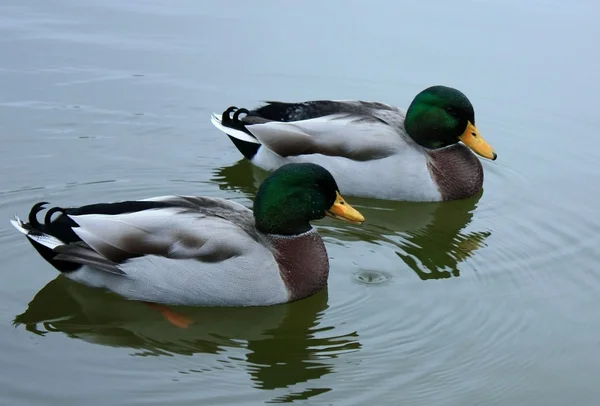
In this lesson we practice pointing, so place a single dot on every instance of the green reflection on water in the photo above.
(285, 344)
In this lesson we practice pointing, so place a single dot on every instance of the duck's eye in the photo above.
(452, 111)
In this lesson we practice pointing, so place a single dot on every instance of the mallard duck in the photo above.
(199, 251)
(372, 149)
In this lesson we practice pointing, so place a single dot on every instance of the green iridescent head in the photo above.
(440, 116)
(297, 193)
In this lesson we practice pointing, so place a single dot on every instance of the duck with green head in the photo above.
(199, 251)
(372, 149)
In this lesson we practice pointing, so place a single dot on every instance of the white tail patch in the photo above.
(216, 119)
(18, 224)
(44, 239)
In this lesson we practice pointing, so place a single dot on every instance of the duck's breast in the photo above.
(303, 263)
(457, 172)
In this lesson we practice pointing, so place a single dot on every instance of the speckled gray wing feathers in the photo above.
(356, 130)
(183, 227)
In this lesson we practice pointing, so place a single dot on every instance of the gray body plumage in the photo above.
(187, 251)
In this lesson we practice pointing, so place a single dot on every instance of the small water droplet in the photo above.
(371, 277)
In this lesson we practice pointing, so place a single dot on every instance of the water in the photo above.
(488, 301)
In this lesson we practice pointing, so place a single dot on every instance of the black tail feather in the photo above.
(33, 221)
(49, 255)
(59, 228)
(233, 120)
(49, 213)
(248, 149)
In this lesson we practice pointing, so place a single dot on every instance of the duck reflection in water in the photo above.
(285, 344)
(430, 238)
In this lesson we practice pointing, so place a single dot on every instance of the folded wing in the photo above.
(356, 130)
(202, 229)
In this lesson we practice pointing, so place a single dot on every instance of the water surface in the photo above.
(492, 300)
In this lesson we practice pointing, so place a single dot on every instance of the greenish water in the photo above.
(488, 301)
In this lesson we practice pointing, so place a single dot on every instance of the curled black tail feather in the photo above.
(231, 118)
(60, 227)
(32, 218)
(49, 213)
(236, 115)
(226, 119)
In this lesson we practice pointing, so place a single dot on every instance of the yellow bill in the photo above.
(473, 139)
(343, 211)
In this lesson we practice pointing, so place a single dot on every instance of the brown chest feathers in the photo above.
(457, 172)
(303, 263)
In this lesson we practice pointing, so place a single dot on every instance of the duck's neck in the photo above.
(456, 170)
(303, 262)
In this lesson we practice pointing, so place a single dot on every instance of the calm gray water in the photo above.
(488, 301)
